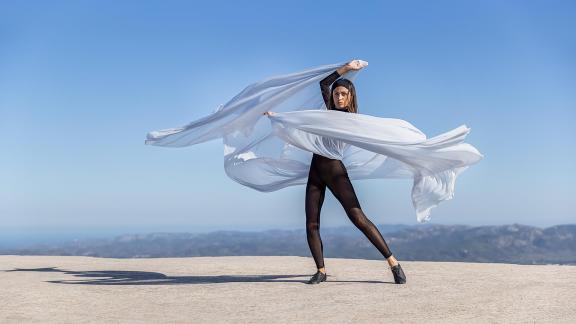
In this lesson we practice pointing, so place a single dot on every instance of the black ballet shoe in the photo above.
(399, 276)
(317, 278)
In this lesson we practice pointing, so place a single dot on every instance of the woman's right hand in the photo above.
(352, 65)
(355, 64)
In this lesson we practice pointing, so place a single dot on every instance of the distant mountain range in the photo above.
(513, 243)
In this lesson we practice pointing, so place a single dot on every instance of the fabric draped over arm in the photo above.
(268, 153)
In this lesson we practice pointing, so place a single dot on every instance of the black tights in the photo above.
(331, 173)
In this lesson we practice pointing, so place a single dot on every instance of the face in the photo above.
(341, 97)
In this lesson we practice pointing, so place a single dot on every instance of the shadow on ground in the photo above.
(114, 277)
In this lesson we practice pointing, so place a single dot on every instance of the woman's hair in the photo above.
(353, 105)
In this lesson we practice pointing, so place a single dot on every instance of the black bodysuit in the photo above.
(331, 173)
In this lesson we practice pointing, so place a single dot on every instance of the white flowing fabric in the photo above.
(268, 153)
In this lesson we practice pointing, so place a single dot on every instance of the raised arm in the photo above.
(327, 81)
(325, 85)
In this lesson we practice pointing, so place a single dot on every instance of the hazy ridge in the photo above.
(513, 243)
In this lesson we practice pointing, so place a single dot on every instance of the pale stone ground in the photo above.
(271, 289)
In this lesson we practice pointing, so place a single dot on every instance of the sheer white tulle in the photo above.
(268, 153)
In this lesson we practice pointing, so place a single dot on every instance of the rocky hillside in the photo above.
(513, 243)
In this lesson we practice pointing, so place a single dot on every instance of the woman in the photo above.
(271, 156)
(331, 173)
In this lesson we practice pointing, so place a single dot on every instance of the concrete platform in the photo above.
(254, 289)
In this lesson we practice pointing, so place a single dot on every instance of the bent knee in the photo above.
(312, 226)
(357, 216)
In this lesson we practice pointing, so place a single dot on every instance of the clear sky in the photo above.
(82, 82)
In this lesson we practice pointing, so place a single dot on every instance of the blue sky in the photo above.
(82, 82)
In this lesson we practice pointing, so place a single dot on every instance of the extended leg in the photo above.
(315, 192)
(340, 185)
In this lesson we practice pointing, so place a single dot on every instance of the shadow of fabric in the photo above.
(116, 277)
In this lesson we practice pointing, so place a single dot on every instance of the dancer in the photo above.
(331, 173)
(326, 148)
